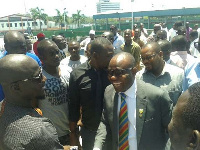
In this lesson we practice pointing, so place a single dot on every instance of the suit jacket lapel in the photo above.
(141, 103)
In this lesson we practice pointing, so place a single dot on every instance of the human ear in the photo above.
(15, 86)
(161, 54)
(195, 141)
(134, 70)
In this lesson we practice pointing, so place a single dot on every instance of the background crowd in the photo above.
(114, 91)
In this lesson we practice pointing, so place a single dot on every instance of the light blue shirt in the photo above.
(192, 74)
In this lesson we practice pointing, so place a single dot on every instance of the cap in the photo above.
(39, 35)
(92, 32)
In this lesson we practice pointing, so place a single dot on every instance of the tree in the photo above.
(77, 18)
(61, 18)
(38, 13)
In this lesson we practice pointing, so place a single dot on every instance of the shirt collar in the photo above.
(162, 73)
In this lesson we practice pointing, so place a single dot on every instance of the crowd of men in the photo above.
(120, 94)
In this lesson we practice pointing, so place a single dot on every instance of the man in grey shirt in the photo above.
(159, 73)
(21, 125)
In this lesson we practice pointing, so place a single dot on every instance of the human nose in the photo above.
(112, 77)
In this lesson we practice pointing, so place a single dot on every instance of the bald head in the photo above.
(72, 43)
(153, 46)
(60, 41)
(44, 45)
(16, 67)
(128, 31)
(161, 35)
(15, 42)
(123, 60)
(108, 35)
(156, 28)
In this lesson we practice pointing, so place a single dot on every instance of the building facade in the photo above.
(20, 23)
(106, 5)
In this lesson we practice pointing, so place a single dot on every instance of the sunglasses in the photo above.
(148, 57)
(37, 78)
(118, 72)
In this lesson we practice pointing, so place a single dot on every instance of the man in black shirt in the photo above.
(86, 87)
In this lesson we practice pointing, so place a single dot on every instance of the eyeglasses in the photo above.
(148, 57)
(38, 78)
(118, 72)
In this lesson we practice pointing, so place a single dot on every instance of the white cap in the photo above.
(92, 32)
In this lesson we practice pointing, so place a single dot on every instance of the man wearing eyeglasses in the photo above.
(15, 43)
(136, 114)
(22, 126)
(159, 73)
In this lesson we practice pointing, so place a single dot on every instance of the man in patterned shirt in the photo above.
(22, 126)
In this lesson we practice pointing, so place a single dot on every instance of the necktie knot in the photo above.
(123, 96)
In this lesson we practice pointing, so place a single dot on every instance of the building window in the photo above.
(7, 24)
(34, 24)
(21, 24)
(2, 25)
(10, 24)
(15, 24)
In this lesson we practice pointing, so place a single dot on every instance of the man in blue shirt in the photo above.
(14, 43)
(192, 70)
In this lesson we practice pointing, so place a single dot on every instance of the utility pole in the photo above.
(132, 13)
(64, 18)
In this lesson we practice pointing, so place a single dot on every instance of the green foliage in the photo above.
(61, 18)
(78, 18)
(37, 13)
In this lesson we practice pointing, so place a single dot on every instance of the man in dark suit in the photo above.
(149, 110)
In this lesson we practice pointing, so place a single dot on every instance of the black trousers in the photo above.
(88, 137)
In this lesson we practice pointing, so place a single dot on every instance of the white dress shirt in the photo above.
(131, 105)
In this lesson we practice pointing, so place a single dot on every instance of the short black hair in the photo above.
(178, 23)
(191, 111)
(194, 33)
(155, 46)
(179, 43)
(165, 45)
(99, 44)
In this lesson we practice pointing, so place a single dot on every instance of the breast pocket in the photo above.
(86, 93)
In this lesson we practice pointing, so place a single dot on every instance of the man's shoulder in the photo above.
(80, 70)
(172, 69)
(83, 58)
(148, 88)
(65, 61)
(28, 130)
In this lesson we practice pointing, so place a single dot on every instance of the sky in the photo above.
(88, 7)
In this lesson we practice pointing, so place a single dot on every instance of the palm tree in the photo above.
(78, 17)
(61, 19)
(38, 13)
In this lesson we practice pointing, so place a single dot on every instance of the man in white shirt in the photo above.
(75, 59)
(149, 110)
(196, 27)
(118, 39)
(194, 38)
(89, 39)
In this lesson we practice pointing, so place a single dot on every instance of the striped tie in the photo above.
(123, 124)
